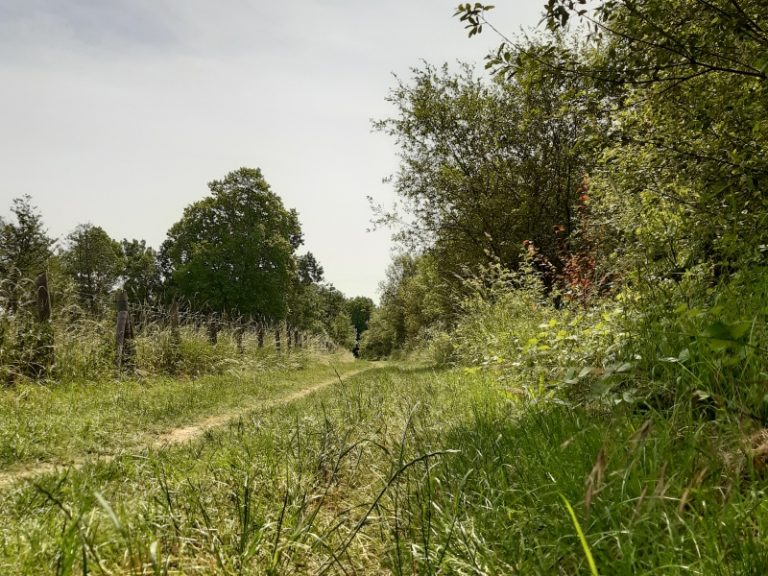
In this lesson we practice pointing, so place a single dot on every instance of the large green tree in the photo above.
(486, 165)
(683, 174)
(360, 309)
(415, 301)
(141, 272)
(234, 251)
(305, 304)
(94, 262)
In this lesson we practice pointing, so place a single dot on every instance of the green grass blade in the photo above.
(582, 538)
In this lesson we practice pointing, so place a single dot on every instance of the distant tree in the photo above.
(304, 306)
(332, 303)
(341, 330)
(141, 273)
(25, 248)
(94, 261)
(379, 341)
(309, 269)
(414, 301)
(234, 250)
(326, 312)
(359, 310)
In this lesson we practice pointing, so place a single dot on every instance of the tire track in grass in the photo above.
(172, 437)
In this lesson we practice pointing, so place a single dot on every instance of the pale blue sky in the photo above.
(118, 112)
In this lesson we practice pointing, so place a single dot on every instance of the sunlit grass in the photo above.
(405, 471)
(61, 422)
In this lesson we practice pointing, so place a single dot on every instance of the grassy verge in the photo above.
(57, 423)
(407, 471)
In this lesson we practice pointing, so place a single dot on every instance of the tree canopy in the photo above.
(234, 251)
(141, 272)
(94, 262)
(485, 165)
(25, 247)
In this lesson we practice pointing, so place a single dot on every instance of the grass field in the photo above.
(62, 423)
(399, 470)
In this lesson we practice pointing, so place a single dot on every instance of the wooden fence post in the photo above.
(43, 353)
(175, 344)
(277, 337)
(175, 321)
(260, 334)
(126, 348)
(238, 333)
(213, 330)
(43, 298)
(288, 340)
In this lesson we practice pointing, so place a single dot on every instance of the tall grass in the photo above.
(83, 346)
(405, 471)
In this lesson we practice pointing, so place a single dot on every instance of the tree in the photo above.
(94, 261)
(683, 173)
(341, 330)
(141, 273)
(25, 248)
(234, 250)
(486, 166)
(309, 269)
(359, 310)
(304, 299)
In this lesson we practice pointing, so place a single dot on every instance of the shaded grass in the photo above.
(405, 471)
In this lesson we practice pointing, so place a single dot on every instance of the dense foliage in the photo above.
(24, 249)
(233, 251)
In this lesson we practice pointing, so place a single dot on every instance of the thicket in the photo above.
(590, 219)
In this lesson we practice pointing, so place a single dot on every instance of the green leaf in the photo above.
(719, 345)
(739, 329)
(108, 509)
(585, 371)
(717, 330)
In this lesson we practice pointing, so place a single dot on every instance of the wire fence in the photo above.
(59, 335)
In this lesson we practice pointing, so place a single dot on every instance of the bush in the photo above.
(509, 323)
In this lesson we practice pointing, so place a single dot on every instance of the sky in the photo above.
(119, 112)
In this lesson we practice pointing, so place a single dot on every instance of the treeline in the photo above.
(601, 192)
(231, 261)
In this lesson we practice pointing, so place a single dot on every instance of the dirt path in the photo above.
(169, 438)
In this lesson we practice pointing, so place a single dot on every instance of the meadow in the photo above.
(402, 469)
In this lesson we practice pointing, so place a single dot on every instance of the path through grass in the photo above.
(405, 471)
(66, 423)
